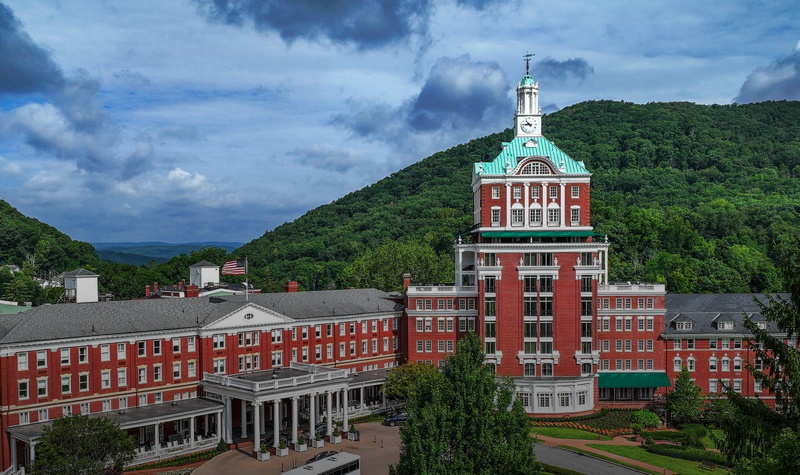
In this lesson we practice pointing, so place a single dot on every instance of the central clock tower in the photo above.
(528, 117)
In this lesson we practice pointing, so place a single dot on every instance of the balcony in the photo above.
(442, 288)
(631, 287)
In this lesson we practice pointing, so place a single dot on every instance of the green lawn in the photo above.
(685, 467)
(708, 443)
(567, 433)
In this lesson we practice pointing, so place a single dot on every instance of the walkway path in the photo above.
(583, 444)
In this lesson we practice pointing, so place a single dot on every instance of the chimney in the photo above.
(155, 287)
(291, 286)
(192, 291)
(406, 281)
(146, 290)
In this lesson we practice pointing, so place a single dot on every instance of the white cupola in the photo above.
(528, 118)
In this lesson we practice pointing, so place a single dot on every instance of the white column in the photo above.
(14, 453)
(312, 425)
(256, 426)
(191, 432)
(244, 418)
(294, 419)
(263, 420)
(33, 452)
(156, 439)
(329, 419)
(363, 404)
(228, 420)
(276, 416)
(508, 204)
(563, 204)
(345, 424)
(205, 424)
(526, 219)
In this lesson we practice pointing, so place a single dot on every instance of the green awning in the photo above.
(633, 380)
(511, 234)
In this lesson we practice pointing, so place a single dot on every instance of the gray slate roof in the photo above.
(79, 272)
(64, 321)
(707, 309)
(204, 264)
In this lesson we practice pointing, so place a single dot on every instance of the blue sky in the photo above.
(199, 120)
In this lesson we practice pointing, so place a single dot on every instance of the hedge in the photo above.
(687, 453)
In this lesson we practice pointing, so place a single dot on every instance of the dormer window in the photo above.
(683, 325)
(761, 325)
(536, 168)
(724, 325)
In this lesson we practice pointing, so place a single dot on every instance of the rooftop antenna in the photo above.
(527, 58)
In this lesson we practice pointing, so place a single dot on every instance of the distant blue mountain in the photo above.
(144, 252)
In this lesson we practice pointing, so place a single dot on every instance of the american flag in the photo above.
(237, 267)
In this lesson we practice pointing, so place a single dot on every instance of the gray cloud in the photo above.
(459, 92)
(480, 4)
(364, 24)
(24, 65)
(328, 157)
(777, 81)
(551, 69)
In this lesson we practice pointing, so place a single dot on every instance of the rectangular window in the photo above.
(41, 359)
(218, 341)
(105, 379)
(191, 369)
(277, 336)
(535, 192)
(156, 347)
(142, 348)
(575, 216)
(121, 351)
(489, 285)
(176, 370)
(650, 323)
(640, 323)
(517, 216)
(157, 372)
(536, 215)
(66, 384)
(65, 356)
(122, 377)
(142, 374)
(553, 216)
(22, 390)
(83, 354)
(219, 365)
(83, 382)
(22, 361)
(190, 344)
(576, 192)
(495, 192)
(490, 347)
(105, 353)
(44, 414)
(490, 309)
(553, 192)
(176, 345)
(495, 216)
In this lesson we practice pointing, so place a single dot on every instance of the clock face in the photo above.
(527, 125)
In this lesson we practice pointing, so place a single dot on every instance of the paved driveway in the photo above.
(379, 447)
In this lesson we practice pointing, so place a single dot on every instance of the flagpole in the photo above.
(246, 283)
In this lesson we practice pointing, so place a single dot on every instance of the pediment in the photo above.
(250, 315)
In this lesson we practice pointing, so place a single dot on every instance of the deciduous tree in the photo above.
(685, 401)
(81, 445)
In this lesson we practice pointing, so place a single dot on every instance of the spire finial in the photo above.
(527, 58)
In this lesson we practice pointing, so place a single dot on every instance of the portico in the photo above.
(299, 390)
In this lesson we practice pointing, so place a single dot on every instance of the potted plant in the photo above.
(318, 441)
(263, 453)
(336, 437)
(282, 450)
(301, 445)
(351, 434)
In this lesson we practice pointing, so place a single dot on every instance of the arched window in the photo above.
(553, 215)
(536, 168)
(517, 215)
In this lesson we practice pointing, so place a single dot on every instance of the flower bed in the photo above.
(588, 428)
(606, 422)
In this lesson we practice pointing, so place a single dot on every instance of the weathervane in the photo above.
(527, 58)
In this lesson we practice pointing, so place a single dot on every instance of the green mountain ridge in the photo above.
(702, 198)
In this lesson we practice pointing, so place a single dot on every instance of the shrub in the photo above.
(222, 446)
(645, 418)
(687, 453)
(283, 444)
(697, 430)
(558, 470)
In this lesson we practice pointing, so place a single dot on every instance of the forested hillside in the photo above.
(704, 198)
